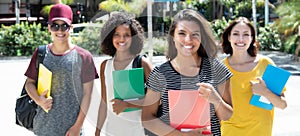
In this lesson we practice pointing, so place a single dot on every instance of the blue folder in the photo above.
(275, 79)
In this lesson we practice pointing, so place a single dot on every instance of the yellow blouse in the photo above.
(247, 120)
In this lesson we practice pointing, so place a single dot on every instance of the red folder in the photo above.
(188, 110)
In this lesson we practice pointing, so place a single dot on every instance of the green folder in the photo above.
(129, 85)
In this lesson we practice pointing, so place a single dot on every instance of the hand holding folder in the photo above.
(188, 110)
(44, 80)
(129, 85)
(275, 79)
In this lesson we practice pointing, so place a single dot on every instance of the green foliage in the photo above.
(290, 43)
(288, 13)
(218, 27)
(159, 46)
(22, 39)
(46, 9)
(89, 38)
(68, 2)
(269, 38)
(204, 7)
(112, 5)
(244, 8)
(288, 23)
(135, 6)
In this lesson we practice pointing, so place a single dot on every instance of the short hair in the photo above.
(225, 43)
(109, 28)
(207, 47)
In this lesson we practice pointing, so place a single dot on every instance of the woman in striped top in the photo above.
(191, 65)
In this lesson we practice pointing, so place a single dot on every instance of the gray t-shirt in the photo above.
(69, 72)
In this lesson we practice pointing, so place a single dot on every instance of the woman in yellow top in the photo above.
(238, 40)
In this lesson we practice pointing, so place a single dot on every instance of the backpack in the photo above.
(25, 107)
(137, 62)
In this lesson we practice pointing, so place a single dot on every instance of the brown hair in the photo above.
(252, 50)
(207, 47)
(117, 19)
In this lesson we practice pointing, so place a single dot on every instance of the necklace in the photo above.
(189, 70)
(121, 64)
(241, 63)
(244, 66)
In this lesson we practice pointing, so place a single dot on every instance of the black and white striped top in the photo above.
(164, 77)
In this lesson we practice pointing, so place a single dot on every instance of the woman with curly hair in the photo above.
(122, 38)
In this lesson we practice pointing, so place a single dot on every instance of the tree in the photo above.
(136, 6)
(288, 23)
(212, 9)
(46, 9)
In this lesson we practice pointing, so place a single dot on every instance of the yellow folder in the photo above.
(44, 80)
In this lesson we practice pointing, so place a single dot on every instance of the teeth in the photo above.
(240, 44)
(188, 47)
(60, 35)
(122, 44)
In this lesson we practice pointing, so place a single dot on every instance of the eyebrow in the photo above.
(182, 30)
(242, 32)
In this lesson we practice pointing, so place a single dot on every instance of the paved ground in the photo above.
(284, 61)
(12, 80)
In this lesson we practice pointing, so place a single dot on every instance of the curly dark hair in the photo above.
(208, 46)
(253, 48)
(117, 19)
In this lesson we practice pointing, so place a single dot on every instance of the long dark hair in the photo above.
(253, 48)
(208, 46)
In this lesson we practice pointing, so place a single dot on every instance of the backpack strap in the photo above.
(40, 58)
(41, 55)
(137, 62)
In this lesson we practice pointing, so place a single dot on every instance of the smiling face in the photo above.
(122, 38)
(58, 35)
(240, 37)
(187, 38)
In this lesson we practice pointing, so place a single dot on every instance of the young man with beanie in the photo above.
(73, 74)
